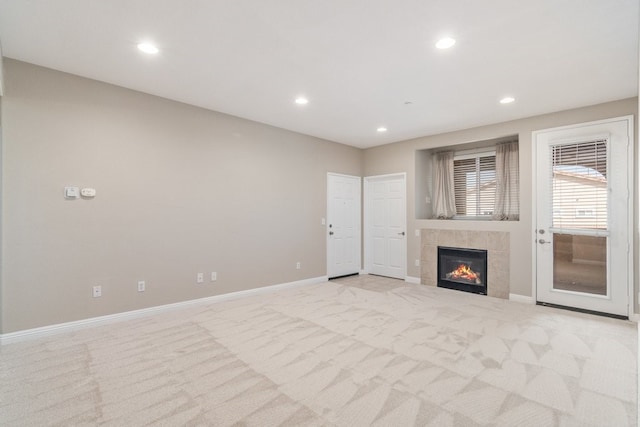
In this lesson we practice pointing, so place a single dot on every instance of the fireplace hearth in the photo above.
(462, 269)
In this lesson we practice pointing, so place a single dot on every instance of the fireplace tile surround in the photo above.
(495, 242)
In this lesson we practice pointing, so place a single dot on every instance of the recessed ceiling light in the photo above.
(507, 100)
(382, 129)
(148, 48)
(445, 43)
(301, 100)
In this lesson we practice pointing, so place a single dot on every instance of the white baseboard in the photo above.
(60, 328)
(414, 280)
(635, 318)
(521, 298)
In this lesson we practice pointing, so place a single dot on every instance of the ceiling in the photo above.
(362, 64)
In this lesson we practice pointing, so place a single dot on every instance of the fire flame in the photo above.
(464, 272)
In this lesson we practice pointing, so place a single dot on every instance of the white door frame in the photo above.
(368, 241)
(630, 204)
(358, 226)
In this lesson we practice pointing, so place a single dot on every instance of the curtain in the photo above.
(507, 201)
(444, 203)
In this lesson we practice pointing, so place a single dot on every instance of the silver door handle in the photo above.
(331, 233)
(543, 241)
(401, 234)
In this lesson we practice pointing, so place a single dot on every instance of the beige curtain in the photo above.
(507, 201)
(444, 203)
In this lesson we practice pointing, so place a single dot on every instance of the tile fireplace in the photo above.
(495, 243)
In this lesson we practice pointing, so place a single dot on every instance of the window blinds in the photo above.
(475, 184)
(579, 185)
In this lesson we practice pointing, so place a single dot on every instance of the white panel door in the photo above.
(583, 215)
(385, 239)
(343, 225)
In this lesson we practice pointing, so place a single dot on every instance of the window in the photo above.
(579, 184)
(474, 179)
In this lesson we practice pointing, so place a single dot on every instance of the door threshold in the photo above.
(386, 277)
(341, 277)
(583, 310)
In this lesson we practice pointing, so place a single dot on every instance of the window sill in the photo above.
(470, 218)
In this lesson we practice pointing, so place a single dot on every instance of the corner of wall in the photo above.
(1, 228)
(1, 186)
(1, 72)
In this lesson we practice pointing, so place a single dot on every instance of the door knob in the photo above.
(331, 233)
(401, 234)
(543, 241)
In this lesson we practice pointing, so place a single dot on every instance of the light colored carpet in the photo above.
(362, 351)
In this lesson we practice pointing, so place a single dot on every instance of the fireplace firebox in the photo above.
(462, 269)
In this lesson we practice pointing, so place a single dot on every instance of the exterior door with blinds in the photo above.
(583, 215)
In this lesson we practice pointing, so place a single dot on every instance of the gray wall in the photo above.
(180, 190)
(400, 157)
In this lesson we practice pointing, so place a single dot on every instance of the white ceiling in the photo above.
(358, 61)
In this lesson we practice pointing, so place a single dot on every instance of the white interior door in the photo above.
(343, 225)
(583, 215)
(385, 219)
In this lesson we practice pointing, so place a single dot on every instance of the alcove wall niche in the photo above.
(425, 170)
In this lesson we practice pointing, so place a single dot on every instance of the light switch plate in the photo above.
(71, 192)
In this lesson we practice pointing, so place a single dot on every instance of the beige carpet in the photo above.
(358, 352)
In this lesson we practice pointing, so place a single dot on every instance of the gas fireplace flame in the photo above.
(464, 272)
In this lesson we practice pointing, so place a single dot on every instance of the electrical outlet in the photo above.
(417, 263)
(141, 286)
(97, 291)
(200, 278)
(214, 276)
(298, 265)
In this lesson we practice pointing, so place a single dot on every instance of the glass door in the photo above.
(582, 206)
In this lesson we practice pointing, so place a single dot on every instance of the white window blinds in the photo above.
(579, 185)
(475, 184)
